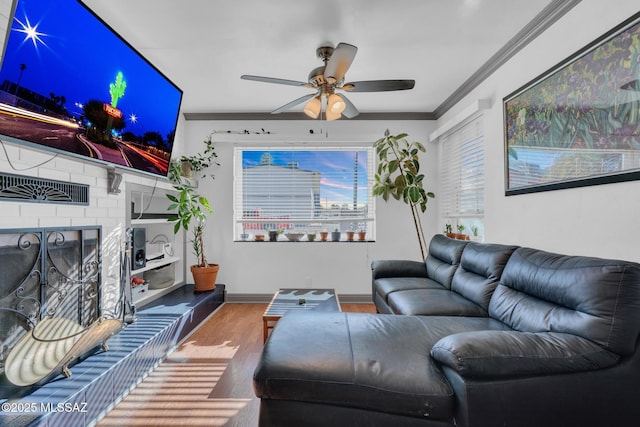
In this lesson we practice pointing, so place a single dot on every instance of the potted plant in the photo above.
(200, 161)
(448, 231)
(461, 235)
(398, 175)
(274, 234)
(475, 233)
(362, 235)
(191, 209)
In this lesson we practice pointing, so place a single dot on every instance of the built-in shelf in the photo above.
(148, 210)
(149, 221)
(150, 265)
(150, 295)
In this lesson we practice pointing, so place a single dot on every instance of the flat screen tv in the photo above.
(70, 83)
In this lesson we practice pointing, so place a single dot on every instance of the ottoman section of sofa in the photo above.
(357, 360)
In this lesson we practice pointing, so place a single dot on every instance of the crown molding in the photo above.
(302, 116)
(547, 17)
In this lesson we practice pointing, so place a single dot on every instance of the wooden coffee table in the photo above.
(286, 300)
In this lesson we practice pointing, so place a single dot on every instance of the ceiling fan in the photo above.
(328, 78)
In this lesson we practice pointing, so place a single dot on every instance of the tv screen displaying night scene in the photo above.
(68, 82)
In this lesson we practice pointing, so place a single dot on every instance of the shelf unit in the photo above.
(147, 208)
(156, 264)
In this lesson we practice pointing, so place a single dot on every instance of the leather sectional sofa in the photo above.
(477, 335)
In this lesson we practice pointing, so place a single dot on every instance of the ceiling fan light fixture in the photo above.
(331, 115)
(336, 104)
(313, 107)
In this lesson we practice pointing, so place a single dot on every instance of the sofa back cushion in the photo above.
(481, 266)
(594, 298)
(443, 258)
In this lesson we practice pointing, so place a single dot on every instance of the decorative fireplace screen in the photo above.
(47, 273)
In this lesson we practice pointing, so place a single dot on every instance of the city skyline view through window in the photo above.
(303, 189)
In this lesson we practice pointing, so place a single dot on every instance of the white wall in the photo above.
(600, 220)
(260, 268)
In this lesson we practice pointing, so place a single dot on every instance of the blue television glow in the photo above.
(70, 83)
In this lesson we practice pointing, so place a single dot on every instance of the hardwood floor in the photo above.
(206, 381)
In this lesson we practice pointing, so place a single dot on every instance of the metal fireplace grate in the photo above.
(39, 190)
(47, 273)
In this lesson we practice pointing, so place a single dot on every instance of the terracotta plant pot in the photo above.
(350, 235)
(324, 235)
(204, 278)
(362, 235)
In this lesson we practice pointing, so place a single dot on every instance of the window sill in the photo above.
(304, 241)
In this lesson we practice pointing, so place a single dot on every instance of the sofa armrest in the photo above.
(512, 353)
(398, 268)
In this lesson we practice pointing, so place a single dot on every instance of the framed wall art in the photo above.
(578, 124)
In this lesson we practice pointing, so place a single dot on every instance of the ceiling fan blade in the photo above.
(294, 103)
(274, 80)
(350, 111)
(339, 63)
(378, 85)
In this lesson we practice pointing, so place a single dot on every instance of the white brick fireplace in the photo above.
(104, 209)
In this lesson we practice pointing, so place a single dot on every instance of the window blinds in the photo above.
(462, 171)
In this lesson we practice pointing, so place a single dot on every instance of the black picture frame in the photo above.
(578, 124)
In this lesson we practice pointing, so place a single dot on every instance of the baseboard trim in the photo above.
(266, 298)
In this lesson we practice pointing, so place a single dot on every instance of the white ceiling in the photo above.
(204, 46)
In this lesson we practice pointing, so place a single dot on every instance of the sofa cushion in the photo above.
(397, 268)
(367, 361)
(433, 302)
(496, 354)
(593, 298)
(435, 272)
(481, 266)
(387, 286)
(443, 258)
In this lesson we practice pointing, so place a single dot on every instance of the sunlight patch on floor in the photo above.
(191, 349)
(177, 391)
(213, 412)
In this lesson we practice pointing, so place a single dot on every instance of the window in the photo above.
(306, 190)
(461, 195)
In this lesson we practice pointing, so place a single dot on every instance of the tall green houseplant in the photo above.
(188, 206)
(193, 208)
(398, 175)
